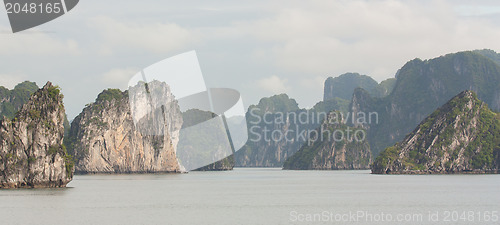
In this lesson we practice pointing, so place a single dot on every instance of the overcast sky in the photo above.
(260, 48)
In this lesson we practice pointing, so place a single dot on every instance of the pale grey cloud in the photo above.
(240, 44)
(37, 43)
(306, 42)
(11, 80)
(119, 77)
(274, 85)
(155, 37)
(373, 37)
(312, 82)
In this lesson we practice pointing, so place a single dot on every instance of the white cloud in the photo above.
(370, 37)
(274, 84)
(312, 82)
(119, 77)
(240, 43)
(154, 37)
(34, 42)
(11, 80)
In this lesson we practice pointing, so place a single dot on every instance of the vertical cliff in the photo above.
(334, 146)
(200, 139)
(32, 153)
(343, 85)
(421, 87)
(264, 150)
(276, 114)
(104, 138)
(277, 129)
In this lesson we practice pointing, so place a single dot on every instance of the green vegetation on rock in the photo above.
(344, 85)
(277, 103)
(339, 104)
(12, 100)
(384, 88)
(489, 54)
(35, 137)
(280, 114)
(332, 147)
(107, 130)
(422, 86)
(462, 136)
(110, 94)
(193, 117)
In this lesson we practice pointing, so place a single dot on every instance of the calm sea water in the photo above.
(259, 196)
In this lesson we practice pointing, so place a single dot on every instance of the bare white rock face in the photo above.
(106, 140)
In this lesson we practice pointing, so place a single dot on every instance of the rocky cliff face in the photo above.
(260, 151)
(200, 140)
(361, 102)
(384, 88)
(279, 115)
(462, 136)
(277, 129)
(496, 99)
(32, 153)
(343, 85)
(264, 150)
(104, 138)
(421, 87)
(333, 146)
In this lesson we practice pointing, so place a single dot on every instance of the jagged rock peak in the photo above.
(105, 139)
(462, 136)
(333, 146)
(32, 153)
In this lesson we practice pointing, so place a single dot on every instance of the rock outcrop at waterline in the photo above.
(32, 153)
(221, 165)
(462, 136)
(334, 146)
(104, 139)
(203, 138)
